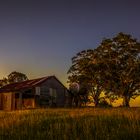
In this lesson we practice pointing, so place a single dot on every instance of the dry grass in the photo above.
(71, 124)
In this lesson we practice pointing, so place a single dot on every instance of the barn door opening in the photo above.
(18, 100)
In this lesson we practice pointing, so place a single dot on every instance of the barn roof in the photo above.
(24, 85)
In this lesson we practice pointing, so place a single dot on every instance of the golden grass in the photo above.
(71, 124)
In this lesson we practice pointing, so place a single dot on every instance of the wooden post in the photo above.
(13, 101)
(0, 101)
(20, 100)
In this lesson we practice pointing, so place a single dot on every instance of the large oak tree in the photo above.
(113, 67)
(120, 57)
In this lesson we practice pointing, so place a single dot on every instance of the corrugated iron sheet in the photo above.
(23, 85)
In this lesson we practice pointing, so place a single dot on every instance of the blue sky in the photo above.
(39, 38)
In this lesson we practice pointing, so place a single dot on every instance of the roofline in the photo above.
(43, 79)
(60, 82)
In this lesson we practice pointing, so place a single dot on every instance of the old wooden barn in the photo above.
(41, 92)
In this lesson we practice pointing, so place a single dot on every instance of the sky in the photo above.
(39, 37)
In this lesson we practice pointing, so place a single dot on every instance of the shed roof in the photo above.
(24, 85)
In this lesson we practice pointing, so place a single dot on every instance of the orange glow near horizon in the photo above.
(133, 102)
(63, 79)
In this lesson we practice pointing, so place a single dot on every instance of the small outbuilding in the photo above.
(36, 93)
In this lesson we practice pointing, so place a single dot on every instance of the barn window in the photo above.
(66, 92)
(44, 90)
(37, 90)
(53, 92)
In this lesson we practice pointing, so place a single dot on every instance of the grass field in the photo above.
(71, 124)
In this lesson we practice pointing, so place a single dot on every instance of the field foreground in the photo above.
(71, 124)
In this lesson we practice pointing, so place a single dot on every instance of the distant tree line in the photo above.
(113, 68)
(13, 77)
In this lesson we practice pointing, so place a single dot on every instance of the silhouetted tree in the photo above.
(86, 72)
(79, 95)
(13, 77)
(113, 67)
(120, 58)
(3, 82)
(104, 103)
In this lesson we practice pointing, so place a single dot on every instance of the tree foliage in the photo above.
(120, 57)
(3, 82)
(13, 77)
(86, 73)
(113, 67)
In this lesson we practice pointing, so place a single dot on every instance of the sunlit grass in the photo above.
(71, 124)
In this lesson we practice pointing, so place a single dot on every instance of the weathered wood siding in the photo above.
(28, 103)
(53, 85)
(0, 101)
(49, 93)
(24, 103)
(13, 101)
(7, 101)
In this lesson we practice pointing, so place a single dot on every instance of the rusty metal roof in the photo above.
(23, 85)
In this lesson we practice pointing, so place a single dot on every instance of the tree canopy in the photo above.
(113, 67)
(120, 57)
(16, 77)
(13, 77)
(86, 73)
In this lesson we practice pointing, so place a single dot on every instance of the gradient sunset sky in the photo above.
(39, 38)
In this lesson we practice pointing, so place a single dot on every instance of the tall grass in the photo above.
(71, 124)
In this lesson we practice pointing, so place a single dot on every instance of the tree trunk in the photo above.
(126, 100)
(71, 100)
(76, 101)
(96, 104)
(96, 101)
